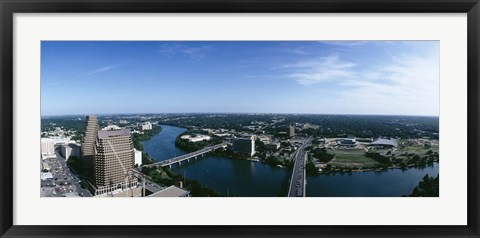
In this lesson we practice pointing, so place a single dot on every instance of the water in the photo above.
(254, 179)
(390, 183)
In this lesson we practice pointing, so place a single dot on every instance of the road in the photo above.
(298, 180)
(181, 158)
(70, 178)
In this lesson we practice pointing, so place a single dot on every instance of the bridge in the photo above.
(180, 159)
(298, 181)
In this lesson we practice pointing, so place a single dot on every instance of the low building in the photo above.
(61, 140)
(195, 138)
(45, 166)
(265, 139)
(172, 191)
(244, 146)
(348, 142)
(365, 140)
(45, 176)
(384, 142)
(272, 146)
(111, 127)
(223, 134)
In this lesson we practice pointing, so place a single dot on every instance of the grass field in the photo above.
(351, 158)
(419, 150)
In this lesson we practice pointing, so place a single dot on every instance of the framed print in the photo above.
(264, 118)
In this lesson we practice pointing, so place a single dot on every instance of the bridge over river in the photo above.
(180, 159)
(298, 181)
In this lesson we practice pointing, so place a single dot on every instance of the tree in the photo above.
(428, 187)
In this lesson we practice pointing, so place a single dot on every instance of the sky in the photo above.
(314, 77)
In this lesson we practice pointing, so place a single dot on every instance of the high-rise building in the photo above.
(114, 157)
(146, 126)
(88, 144)
(47, 147)
(138, 157)
(70, 150)
(244, 145)
(291, 131)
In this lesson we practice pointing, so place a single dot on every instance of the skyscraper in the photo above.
(47, 148)
(88, 144)
(114, 159)
(244, 145)
(291, 131)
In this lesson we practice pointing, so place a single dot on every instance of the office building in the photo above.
(61, 140)
(195, 138)
(138, 157)
(47, 147)
(146, 126)
(291, 131)
(88, 144)
(244, 146)
(265, 139)
(111, 127)
(114, 157)
(70, 150)
(114, 160)
(272, 146)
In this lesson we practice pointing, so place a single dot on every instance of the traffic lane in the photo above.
(71, 178)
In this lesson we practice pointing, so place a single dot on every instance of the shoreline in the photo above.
(376, 169)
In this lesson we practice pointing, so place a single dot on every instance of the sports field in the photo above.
(352, 158)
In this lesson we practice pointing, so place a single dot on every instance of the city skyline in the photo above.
(294, 77)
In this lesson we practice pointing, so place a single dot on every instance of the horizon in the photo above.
(230, 113)
(279, 77)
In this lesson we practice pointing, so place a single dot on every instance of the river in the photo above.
(243, 178)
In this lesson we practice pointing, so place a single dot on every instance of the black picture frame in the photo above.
(9, 7)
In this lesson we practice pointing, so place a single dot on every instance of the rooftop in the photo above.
(122, 132)
(172, 191)
(384, 141)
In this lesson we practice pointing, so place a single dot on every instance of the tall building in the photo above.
(88, 143)
(114, 159)
(138, 157)
(70, 150)
(244, 146)
(291, 131)
(146, 126)
(47, 147)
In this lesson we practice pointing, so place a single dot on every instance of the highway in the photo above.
(188, 156)
(298, 180)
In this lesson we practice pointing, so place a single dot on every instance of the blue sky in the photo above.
(320, 77)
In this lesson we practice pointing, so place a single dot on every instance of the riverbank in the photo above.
(166, 176)
(138, 140)
(244, 178)
(376, 169)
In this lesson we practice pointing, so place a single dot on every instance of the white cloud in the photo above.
(100, 70)
(91, 73)
(318, 70)
(406, 84)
